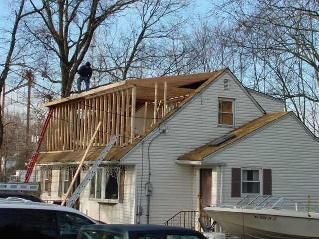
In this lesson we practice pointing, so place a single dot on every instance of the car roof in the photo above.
(120, 228)
(20, 195)
(20, 203)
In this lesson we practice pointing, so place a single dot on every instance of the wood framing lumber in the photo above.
(80, 165)
(155, 103)
(165, 98)
(133, 114)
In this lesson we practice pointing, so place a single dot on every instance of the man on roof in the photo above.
(85, 72)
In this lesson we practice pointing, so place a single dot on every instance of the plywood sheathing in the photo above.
(145, 87)
(205, 150)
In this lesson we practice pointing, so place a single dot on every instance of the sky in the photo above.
(197, 10)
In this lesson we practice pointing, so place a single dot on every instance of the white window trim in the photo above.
(260, 181)
(46, 180)
(65, 175)
(233, 110)
(104, 200)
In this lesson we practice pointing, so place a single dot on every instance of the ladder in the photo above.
(35, 155)
(90, 174)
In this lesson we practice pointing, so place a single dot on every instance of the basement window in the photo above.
(226, 112)
(105, 184)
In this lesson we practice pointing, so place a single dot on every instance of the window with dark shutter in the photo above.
(236, 181)
(267, 182)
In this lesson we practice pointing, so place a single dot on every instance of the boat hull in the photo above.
(270, 224)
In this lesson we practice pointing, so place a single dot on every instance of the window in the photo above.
(226, 112)
(65, 179)
(106, 183)
(46, 179)
(250, 181)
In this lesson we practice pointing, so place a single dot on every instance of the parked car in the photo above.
(130, 231)
(20, 195)
(24, 219)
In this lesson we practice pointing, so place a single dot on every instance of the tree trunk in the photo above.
(1, 128)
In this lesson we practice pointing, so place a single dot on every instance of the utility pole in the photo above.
(3, 99)
(29, 77)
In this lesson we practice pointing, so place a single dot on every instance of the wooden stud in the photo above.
(127, 117)
(109, 118)
(84, 124)
(80, 164)
(66, 126)
(90, 118)
(48, 134)
(113, 113)
(118, 118)
(145, 116)
(58, 142)
(104, 122)
(71, 132)
(75, 125)
(81, 123)
(133, 114)
(165, 99)
(62, 128)
(122, 118)
(67, 123)
(155, 104)
(96, 120)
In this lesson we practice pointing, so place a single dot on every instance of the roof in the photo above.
(264, 95)
(116, 153)
(180, 85)
(121, 228)
(228, 139)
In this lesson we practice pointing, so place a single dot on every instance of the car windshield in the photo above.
(100, 235)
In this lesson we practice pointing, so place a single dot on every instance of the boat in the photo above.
(266, 217)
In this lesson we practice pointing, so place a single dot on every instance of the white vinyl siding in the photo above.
(268, 103)
(175, 187)
(194, 125)
(108, 211)
(287, 149)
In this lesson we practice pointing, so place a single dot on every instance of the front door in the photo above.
(205, 198)
(205, 192)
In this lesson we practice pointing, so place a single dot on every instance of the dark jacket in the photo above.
(85, 71)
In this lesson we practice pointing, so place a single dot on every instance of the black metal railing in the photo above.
(193, 220)
(187, 219)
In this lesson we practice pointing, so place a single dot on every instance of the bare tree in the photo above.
(65, 29)
(20, 13)
(151, 41)
(278, 40)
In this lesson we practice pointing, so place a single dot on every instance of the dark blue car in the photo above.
(140, 231)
